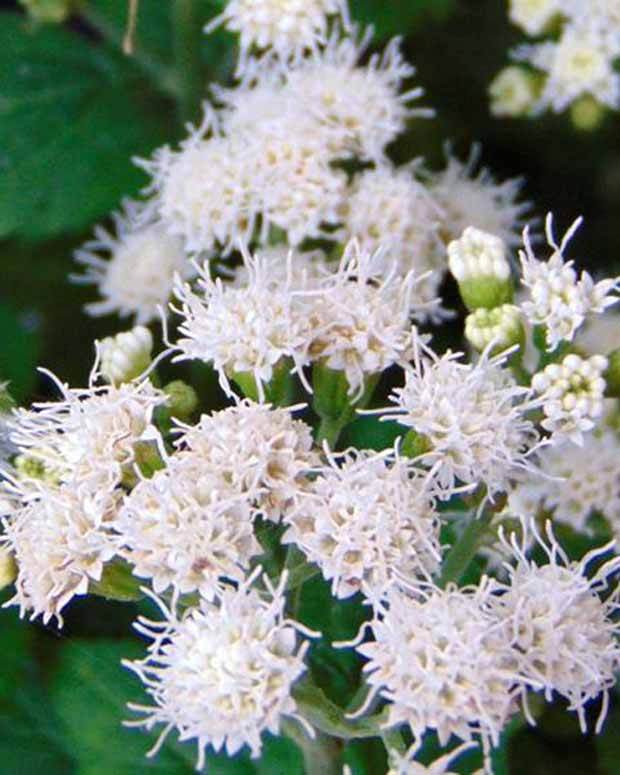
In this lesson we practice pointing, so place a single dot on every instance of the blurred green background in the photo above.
(73, 110)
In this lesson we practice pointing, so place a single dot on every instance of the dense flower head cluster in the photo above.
(306, 270)
(574, 56)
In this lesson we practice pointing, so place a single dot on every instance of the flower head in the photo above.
(221, 674)
(473, 417)
(442, 662)
(560, 300)
(367, 521)
(260, 451)
(185, 528)
(61, 539)
(513, 92)
(248, 330)
(90, 433)
(360, 318)
(562, 631)
(573, 395)
(287, 29)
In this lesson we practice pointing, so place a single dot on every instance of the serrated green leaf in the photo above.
(72, 114)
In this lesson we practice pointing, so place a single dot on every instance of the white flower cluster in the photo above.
(458, 660)
(574, 57)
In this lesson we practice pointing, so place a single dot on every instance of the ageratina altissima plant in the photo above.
(348, 454)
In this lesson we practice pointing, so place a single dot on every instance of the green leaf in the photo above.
(19, 349)
(397, 17)
(72, 114)
(371, 433)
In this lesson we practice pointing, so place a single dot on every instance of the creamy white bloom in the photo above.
(472, 416)
(580, 62)
(136, 277)
(90, 433)
(443, 663)
(204, 192)
(126, 355)
(534, 15)
(187, 529)
(364, 105)
(573, 395)
(287, 29)
(469, 195)
(222, 674)
(262, 452)
(563, 632)
(61, 539)
(513, 92)
(360, 319)
(580, 480)
(367, 521)
(283, 266)
(559, 299)
(249, 330)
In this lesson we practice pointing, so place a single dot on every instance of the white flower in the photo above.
(500, 327)
(558, 299)
(248, 330)
(534, 15)
(443, 663)
(90, 433)
(185, 528)
(580, 63)
(470, 196)
(562, 631)
(582, 480)
(512, 92)
(287, 28)
(573, 395)
(136, 278)
(126, 355)
(367, 521)
(361, 319)
(388, 208)
(61, 539)
(473, 417)
(365, 105)
(204, 192)
(222, 674)
(260, 451)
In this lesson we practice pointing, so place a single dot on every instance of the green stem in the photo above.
(322, 754)
(329, 430)
(162, 76)
(187, 43)
(464, 550)
(393, 740)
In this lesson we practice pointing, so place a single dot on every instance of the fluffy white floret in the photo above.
(260, 451)
(221, 674)
(366, 521)
(136, 277)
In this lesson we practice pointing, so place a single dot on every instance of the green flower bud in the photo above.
(8, 568)
(587, 114)
(513, 92)
(48, 11)
(126, 355)
(501, 324)
(182, 399)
